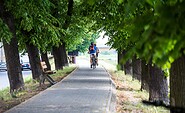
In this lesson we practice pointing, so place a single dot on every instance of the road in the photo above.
(4, 78)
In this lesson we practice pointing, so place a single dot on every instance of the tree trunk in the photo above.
(11, 52)
(128, 67)
(13, 65)
(177, 82)
(57, 58)
(136, 64)
(64, 55)
(60, 56)
(144, 76)
(34, 58)
(120, 56)
(158, 87)
(44, 57)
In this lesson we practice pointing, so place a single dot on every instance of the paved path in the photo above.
(84, 91)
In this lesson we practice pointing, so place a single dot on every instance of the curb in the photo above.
(111, 106)
(77, 67)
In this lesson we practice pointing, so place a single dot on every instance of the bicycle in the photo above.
(93, 65)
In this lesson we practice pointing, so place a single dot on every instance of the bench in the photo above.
(45, 75)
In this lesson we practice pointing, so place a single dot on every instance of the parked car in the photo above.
(3, 66)
(25, 65)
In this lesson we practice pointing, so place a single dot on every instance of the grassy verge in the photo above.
(129, 96)
(31, 88)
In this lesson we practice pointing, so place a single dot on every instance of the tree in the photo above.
(36, 29)
(177, 84)
(34, 57)
(120, 57)
(136, 65)
(144, 75)
(128, 67)
(163, 40)
(57, 58)
(60, 54)
(158, 87)
(11, 49)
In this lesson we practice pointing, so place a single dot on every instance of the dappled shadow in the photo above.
(162, 104)
(154, 103)
(84, 81)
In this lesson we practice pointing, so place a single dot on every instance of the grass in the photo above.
(128, 94)
(31, 88)
(4, 94)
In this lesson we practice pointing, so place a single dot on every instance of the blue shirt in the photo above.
(92, 51)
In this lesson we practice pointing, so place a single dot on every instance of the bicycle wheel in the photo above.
(94, 66)
(94, 63)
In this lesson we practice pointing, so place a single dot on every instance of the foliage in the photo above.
(152, 29)
(42, 24)
(34, 22)
(4, 94)
(162, 33)
(4, 31)
(80, 32)
(79, 37)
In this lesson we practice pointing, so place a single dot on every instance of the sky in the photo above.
(100, 42)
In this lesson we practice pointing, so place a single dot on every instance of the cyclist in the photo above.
(92, 52)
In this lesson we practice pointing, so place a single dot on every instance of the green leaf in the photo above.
(151, 2)
(91, 2)
(120, 1)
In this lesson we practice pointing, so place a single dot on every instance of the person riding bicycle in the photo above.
(92, 52)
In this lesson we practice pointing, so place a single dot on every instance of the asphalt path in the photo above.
(86, 90)
(4, 82)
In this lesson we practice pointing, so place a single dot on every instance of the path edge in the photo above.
(111, 106)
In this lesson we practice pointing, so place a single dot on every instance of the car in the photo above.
(3, 66)
(25, 65)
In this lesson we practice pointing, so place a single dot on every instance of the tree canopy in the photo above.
(151, 29)
(42, 24)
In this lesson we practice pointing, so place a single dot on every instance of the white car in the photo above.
(3, 66)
